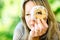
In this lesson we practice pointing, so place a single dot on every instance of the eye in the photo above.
(27, 14)
(39, 13)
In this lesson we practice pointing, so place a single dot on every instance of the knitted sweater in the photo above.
(19, 31)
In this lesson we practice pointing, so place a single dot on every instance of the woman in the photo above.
(34, 26)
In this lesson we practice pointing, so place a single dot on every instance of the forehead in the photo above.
(29, 5)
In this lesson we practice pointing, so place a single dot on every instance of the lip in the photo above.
(32, 24)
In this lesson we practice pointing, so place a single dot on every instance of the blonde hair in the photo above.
(53, 29)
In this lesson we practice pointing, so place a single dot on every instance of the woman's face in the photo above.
(30, 17)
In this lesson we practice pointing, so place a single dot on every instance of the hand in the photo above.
(39, 29)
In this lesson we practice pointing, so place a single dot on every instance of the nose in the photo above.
(33, 17)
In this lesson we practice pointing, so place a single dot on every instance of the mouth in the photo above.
(32, 25)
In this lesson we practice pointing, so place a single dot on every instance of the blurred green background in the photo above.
(10, 13)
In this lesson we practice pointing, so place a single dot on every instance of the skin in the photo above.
(37, 26)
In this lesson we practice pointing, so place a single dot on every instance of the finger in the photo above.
(32, 32)
(36, 29)
(40, 25)
(44, 23)
(32, 27)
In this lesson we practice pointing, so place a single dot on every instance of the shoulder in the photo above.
(18, 32)
(19, 26)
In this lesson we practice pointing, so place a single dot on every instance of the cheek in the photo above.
(27, 20)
